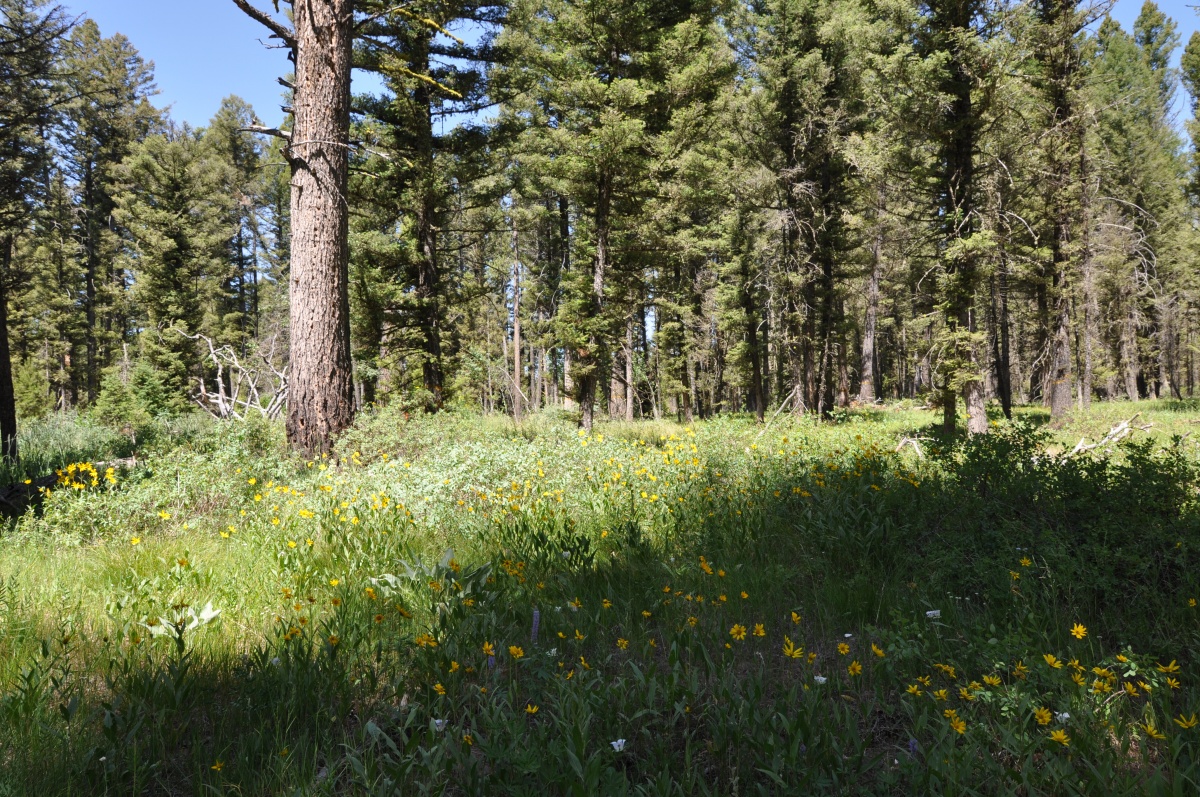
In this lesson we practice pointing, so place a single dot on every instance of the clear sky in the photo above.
(205, 50)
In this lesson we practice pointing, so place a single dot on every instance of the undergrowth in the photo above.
(457, 605)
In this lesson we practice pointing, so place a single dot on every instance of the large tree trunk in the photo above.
(8, 403)
(320, 386)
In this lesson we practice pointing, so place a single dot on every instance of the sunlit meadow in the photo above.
(459, 605)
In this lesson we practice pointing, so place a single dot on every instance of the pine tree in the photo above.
(109, 85)
(30, 37)
(177, 209)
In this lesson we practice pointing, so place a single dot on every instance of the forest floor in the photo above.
(462, 605)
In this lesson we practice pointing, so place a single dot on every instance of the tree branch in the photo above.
(267, 131)
(262, 17)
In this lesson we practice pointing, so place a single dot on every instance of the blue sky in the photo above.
(206, 50)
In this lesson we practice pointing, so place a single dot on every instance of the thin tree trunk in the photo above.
(517, 404)
(866, 385)
(8, 402)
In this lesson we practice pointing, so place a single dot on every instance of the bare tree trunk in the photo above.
(866, 386)
(8, 402)
(1061, 386)
(1130, 360)
(517, 404)
(629, 370)
(321, 390)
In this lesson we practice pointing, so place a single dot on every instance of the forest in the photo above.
(645, 210)
(605, 397)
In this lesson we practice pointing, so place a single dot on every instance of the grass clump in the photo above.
(457, 605)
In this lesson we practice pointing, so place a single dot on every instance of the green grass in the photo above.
(691, 587)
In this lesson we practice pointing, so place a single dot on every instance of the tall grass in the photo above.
(463, 605)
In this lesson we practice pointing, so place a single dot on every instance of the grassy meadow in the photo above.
(460, 605)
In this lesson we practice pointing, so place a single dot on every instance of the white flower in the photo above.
(933, 614)
(1062, 716)
(849, 636)
(820, 679)
(618, 745)
(439, 725)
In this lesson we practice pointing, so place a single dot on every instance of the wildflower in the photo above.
(941, 694)
(745, 596)
(217, 767)
(1121, 657)
(645, 614)
(855, 668)
(1053, 661)
(1171, 682)
(1042, 715)
(164, 514)
(623, 643)
(1062, 716)
(439, 725)
(515, 651)
(606, 603)
(1130, 689)
(1192, 602)
(759, 630)
(134, 540)
(441, 690)
(843, 648)
(965, 694)
(333, 640)
(790, 650)
(795, 618)
(1078, 631)
(819, 679)
(692, 621)
(468, 740)
(1169, 668)
(1026, 561)
(618, 745)
(1020, 670)
(1186, 722)
(1077, 678)
(992, 680)
(933, 614)
(878, 651)
(333, 582)
(531, 709)
(583, 663)
(914, 690)
(1153, 732)
(1061, 737)
(958, 725)
(488, 649)
(738, 632)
